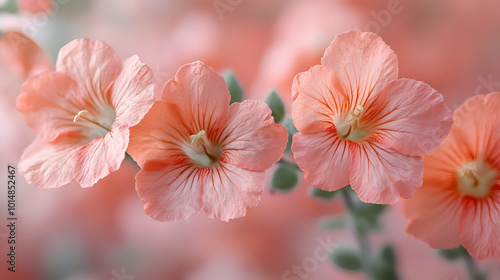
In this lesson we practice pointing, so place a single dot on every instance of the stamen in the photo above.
(79, 115)
(198, 138)
(476, 178)
(348, 128)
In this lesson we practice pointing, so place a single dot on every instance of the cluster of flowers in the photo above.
(358, 124)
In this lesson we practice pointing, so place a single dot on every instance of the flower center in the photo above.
(97, 125)
(348, 128)
(476, 178)
(201, 151)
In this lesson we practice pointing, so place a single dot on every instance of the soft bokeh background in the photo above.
(88, 234)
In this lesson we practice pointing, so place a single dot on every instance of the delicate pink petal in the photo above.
(228, 191)
(479, 226)
(160, 135)
(49, 165)
(316, 99)
(170, 192)
(23, 56)
(363, 63)
(132, 95)
(476, 127)
(410, 117)
(324, 159)
(381, 175)
(251, 139)
(49, 103)
(36, 6)
(433, 212)
(201, 92)
(101, 156)
(94, 66)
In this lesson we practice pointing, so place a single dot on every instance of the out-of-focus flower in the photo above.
(20, 57)
(197, 152)
(362, 126)
(301, 34)
(459, 202)
(82, 114)
(35, 6)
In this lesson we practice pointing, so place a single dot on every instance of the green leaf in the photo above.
(382, 264)
(285, 178)
(234, 87)
(10, 7)
(321, 194)
(277, 106)
(346, 258)
(333, 222)
(290, 128)
(452, 254)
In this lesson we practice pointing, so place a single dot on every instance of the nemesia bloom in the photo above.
(459, 201)
(198, 152)
(360, 125)
(82, 114)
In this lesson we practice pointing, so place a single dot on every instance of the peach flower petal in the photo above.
(132, 94)
(479, 226)
(406, 117)
(49, 165)
(101, 156)
(251, 132)
(324, 159)
(434, 214)
(198, 89)
(363, 62)
(316, 97)
(94, 66)
(49, 102)
(170, 192)
(228, 190)
(381, 175)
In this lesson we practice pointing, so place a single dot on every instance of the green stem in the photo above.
(471, 267)
(360, 236)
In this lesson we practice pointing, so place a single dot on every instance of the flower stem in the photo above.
(360, 236)
(471, 267)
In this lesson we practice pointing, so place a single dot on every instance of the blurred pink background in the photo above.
(85, 234)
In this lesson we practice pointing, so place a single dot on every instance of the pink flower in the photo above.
(459, 202)
(82, 114)
(36, 6)
(362, 126)
(197, 152)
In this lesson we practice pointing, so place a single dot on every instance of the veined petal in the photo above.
(49, 104)
(169, 191)
(251, 139)
(201, 93)
(476, 127)
(409, 117)
(228, 191)
(316, 99)
(101, 156)
(479, 225)
(159, 135)
(363, 63)
(434, 213)
(381, 175)
(49, 164)
(132, 94)
(92, 65)
(324, 159)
